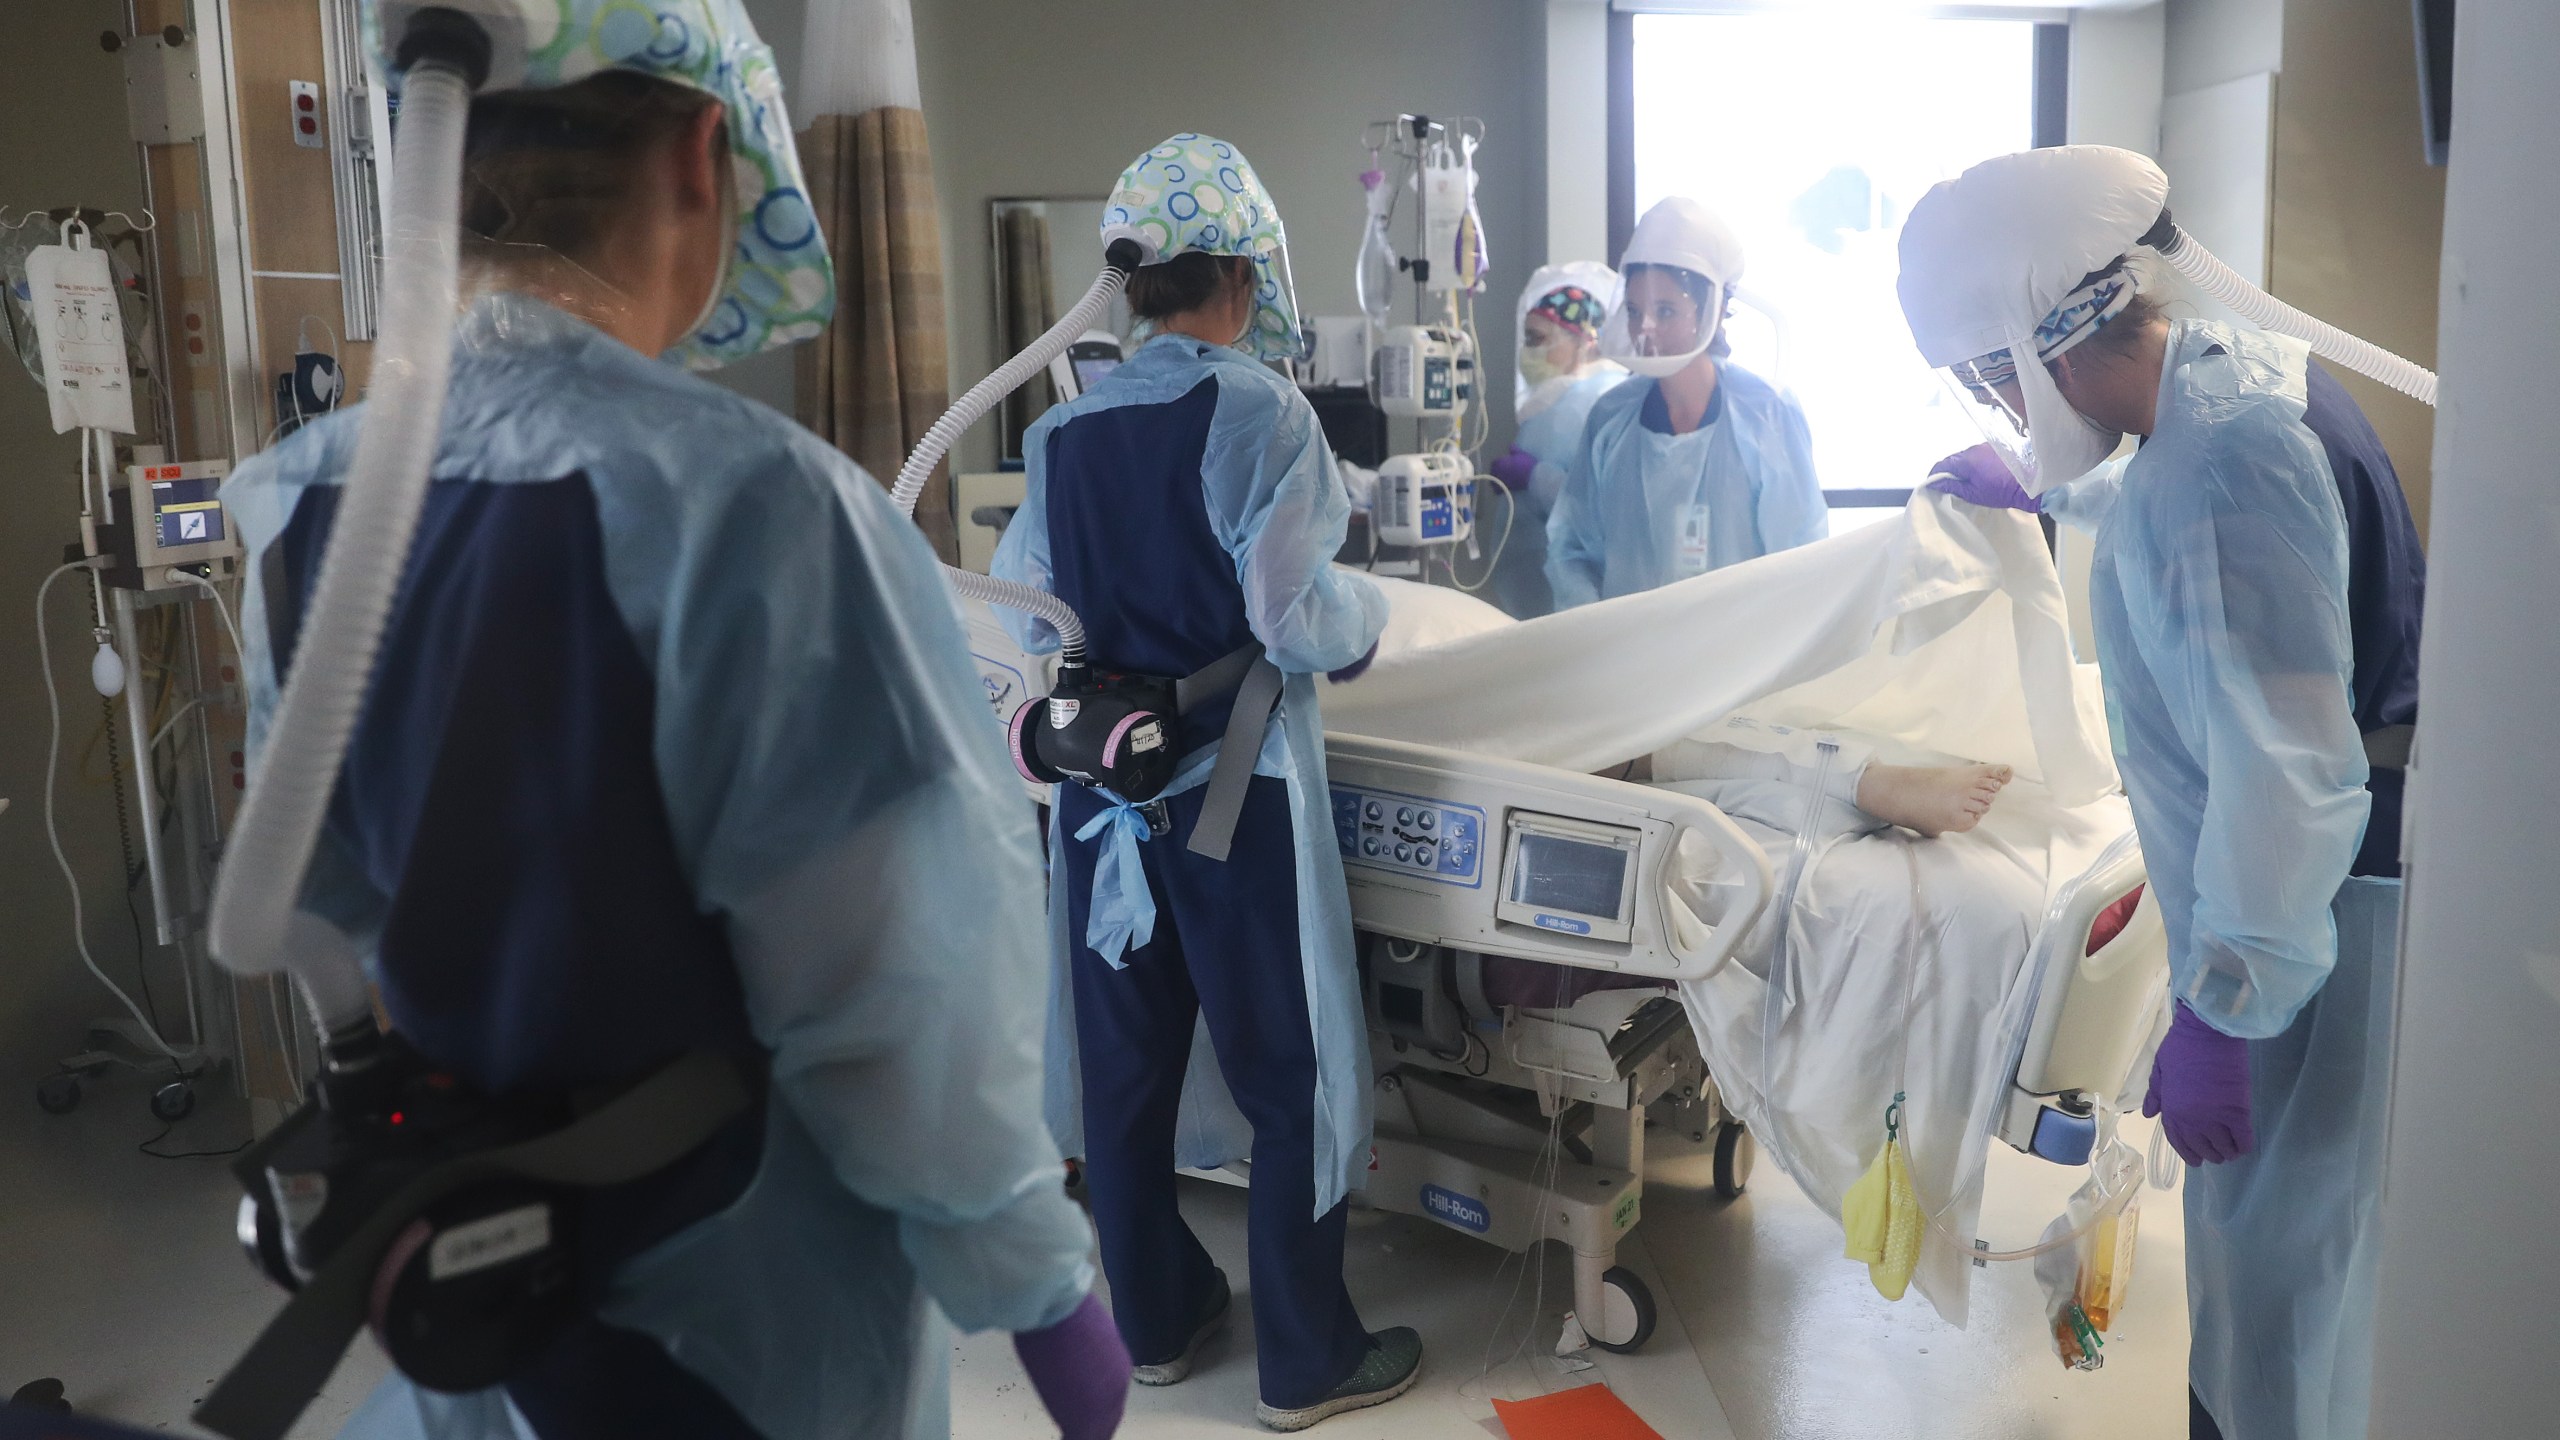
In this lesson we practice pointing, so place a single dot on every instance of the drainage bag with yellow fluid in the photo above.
(1881, 1214)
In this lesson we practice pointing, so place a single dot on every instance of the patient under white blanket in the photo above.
(1769, 773)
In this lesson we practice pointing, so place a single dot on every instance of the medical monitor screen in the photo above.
(1090, 369)
(186, 512)
(1573, 876)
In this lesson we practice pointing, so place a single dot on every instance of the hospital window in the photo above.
(1816, 179)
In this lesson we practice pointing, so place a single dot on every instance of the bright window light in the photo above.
(1812, 137)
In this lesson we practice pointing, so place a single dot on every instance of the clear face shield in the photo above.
(2019, 409)
(1273, 334)
(1985, 391)
(2022, 415)
(1669, 318)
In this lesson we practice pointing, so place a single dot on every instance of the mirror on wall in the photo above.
(1046, 251)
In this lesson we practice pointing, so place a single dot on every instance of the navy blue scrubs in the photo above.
(1131, 546)
(2386, 596)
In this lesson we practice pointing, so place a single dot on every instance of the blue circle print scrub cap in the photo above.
(1199, 193)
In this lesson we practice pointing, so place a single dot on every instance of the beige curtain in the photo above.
(875, 379)
(1022, 248)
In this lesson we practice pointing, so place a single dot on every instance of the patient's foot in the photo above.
(1932, 799)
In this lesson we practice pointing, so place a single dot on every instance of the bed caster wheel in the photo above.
(42, 1395)
(58, 1094)
(1736, 1151)
(173, 1102)
(1629, 1314)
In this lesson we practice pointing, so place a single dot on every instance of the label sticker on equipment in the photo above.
(495, 1241)
(1559, 922)
(1149, 736)
(1062, 713)
(1464, 1211)
(71, 295)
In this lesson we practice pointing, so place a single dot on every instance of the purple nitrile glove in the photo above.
(2200, 1091)
(1979, 475)
(1354, 670)
(1514, 468)
(1081, 1371)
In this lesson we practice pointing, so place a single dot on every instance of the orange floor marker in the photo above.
(1592, 1412)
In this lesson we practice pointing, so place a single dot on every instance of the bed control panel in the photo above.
(1409, 835)
(1500, 857)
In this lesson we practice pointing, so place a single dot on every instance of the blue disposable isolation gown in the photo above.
(2220, 595)
(1551, 430)
(1276, 508)
(674, 744)
(1642, 507)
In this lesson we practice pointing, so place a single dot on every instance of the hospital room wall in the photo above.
(1027, 99)
(63, 131)
(2346, 215)
(2115, 81)
(2358, 223)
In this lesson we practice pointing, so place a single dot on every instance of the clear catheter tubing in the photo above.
(972, 407)
(385, 488)
(2201, 268)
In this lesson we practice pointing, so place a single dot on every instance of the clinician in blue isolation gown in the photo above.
(673, 744)
(1187, 508)
(1562, 375)
(2255, 592)
(1697, 464)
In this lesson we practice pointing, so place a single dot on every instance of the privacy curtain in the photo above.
(1030, 308)
(878, 376)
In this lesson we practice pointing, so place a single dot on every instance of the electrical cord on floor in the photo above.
(165, 1130)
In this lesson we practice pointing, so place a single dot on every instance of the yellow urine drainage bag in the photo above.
(1881, 1214)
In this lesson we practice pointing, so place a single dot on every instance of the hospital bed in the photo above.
(1652, 887)
(1519, 1123)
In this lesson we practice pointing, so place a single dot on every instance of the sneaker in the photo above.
(1393, 1364)
(1178, 1369)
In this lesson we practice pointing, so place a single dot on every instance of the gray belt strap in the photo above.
(643, 1130)
(1219, 677)
(1223, 798)
(2389, 747)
